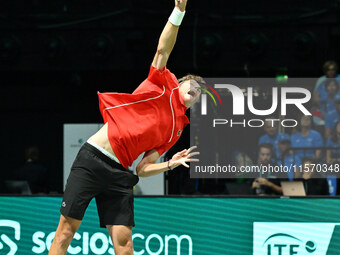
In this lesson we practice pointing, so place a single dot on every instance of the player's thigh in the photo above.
(121, 235)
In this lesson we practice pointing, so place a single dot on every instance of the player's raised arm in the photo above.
(168, 37)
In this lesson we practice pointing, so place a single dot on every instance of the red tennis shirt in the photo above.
(152, 117)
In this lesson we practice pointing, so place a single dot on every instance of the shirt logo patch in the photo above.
(179, 132)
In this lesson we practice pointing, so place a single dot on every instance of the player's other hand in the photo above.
(184, 156)
(181, 4)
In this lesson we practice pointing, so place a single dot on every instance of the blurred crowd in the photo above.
(311, 151)
(313, 148)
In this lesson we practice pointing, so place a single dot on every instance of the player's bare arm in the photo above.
(147, 167)
(167, 39)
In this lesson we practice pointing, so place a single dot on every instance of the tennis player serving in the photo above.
(149, 120)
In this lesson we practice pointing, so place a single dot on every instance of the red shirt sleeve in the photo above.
(162, 77)
(157, 76)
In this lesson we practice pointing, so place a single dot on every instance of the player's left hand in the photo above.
(184, 156)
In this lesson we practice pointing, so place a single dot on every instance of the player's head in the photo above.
(189, 89)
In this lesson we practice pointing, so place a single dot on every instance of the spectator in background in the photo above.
(332, 117)
(307, 138)
(268, 183)
(33, 172)
(314, 183)
(241, 159)
(286, 157)
(333, 156)
(330, 69)
(327, 100)
(271, 136)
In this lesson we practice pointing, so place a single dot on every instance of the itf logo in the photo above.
(272, 238)
(6, 243)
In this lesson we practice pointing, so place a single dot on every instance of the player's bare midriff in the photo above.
(101, 139)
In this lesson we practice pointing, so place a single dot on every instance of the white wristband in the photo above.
(176, 17)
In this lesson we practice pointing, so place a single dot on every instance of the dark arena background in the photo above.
(56, 55)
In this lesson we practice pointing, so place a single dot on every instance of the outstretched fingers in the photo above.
(190, 149)
(185, 164)
(193, 154)
(189, 160)
(189, 157)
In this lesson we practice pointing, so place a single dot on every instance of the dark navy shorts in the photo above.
(95, 175)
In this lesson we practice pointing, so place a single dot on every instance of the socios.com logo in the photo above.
(288, 238)
(88, 243)
(6, 242)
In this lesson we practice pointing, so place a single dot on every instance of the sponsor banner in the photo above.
(182, 226)
(288, 238)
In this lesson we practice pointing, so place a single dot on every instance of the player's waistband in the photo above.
(103, 157)
(102, 150)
